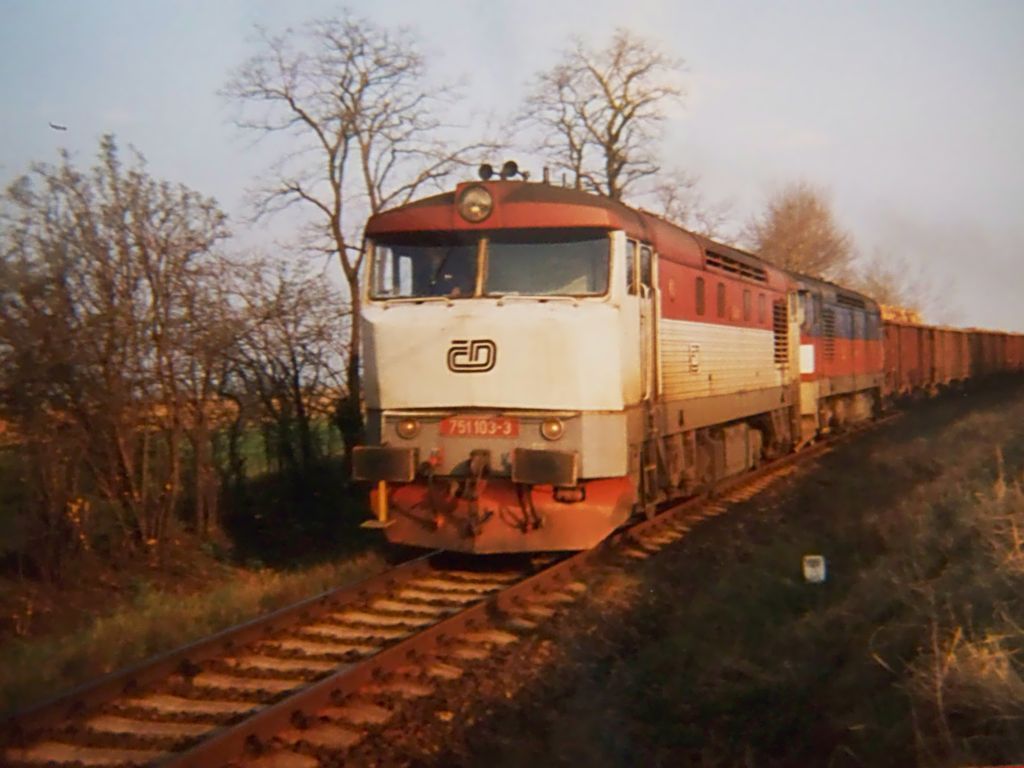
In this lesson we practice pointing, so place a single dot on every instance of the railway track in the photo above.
(307, 681)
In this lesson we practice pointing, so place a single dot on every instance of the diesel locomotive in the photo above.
(542, 363)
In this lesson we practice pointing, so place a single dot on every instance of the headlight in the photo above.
(407, 428)
(552, 429)
(475, 204)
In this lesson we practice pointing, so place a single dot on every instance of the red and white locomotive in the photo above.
(542, 363)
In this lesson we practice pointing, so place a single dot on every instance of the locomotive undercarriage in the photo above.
(687, 463)
(849, 408)
(838, 411)
(505, 488)
(479, 511)
(498, 499)
(484, 513)
(542, 505)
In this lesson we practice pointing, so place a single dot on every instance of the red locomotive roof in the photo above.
(832, 291)
(519, 204)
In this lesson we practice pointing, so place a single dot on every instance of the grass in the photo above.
(158, 620)
(966, 687)
(911, 648)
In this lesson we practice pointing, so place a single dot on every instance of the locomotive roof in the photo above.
(516, 204)
(832, 291)
(520, 204)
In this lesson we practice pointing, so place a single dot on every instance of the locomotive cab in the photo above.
(500, 355)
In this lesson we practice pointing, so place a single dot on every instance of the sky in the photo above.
(910, 114)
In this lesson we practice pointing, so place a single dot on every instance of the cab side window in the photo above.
(807, 304)
(404, 276)
(721, 299)
(701, 306)
(631, 267)
(646, 267)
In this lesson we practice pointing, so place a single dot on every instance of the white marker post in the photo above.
(814, 569)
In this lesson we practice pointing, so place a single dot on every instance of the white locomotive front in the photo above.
(500, 357)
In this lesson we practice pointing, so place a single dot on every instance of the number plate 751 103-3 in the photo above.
(479, 426)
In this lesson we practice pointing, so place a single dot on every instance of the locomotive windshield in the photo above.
(547, 263)
(541, 262)
(424, 267)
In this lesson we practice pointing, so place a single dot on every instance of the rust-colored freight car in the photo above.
(1015, 352)
(909, 358)
(952, 357)
(985, 355)
(923, 358)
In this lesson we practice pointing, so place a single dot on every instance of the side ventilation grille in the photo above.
(829, 321)
(723, 263)
(845, 300)
(780, 326)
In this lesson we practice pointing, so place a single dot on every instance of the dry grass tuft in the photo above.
(1001, 519)
(967, 696)
(967, 686)
(984, 674)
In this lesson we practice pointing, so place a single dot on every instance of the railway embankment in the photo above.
(715, 651)
(115, 619)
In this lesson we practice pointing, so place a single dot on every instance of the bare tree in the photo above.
(101, 268)
(600, 112)
(213, 328)
(887, 279)
(367, 130)
(891, 280)
(678, 199)
(797, 231)
(286, 363)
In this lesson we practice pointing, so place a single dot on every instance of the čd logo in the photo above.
(472, 355)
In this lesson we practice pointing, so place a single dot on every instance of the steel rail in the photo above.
(90, 696)
(256, 733)
(298, 709)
